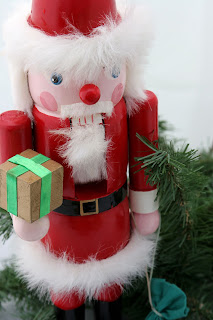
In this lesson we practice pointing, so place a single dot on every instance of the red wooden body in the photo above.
(99, 235)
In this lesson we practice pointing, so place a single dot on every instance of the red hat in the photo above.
(76, 38)
(54, 17)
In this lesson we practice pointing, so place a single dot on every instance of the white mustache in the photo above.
(78, 110)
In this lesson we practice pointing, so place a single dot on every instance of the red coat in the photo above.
(104, 234)
(96, 235)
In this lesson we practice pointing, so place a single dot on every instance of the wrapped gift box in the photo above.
(31, 185)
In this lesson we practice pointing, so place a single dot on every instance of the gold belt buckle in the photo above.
(82, 213)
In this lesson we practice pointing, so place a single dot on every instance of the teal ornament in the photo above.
(169, 301)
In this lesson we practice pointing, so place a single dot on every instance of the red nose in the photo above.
(90, 94)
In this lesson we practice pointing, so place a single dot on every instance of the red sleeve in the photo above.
(145, 123)
(15, 134)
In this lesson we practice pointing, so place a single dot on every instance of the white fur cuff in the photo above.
(44, 271)
(143, 201)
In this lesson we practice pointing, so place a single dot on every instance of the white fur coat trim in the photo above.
(44, 271)
(81, 56)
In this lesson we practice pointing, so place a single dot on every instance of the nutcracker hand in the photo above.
(146, 223)
(31, 231)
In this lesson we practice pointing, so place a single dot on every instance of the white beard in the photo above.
(85, 150)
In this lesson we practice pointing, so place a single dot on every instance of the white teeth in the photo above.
(96, 119)
(75, 121)
(81, 121)
(88, 119)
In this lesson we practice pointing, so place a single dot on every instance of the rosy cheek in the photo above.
(117, 93)
(48, 101)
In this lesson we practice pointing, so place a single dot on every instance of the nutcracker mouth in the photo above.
(84, 112)
(87, 120)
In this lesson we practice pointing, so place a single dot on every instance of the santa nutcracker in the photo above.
(76, 69)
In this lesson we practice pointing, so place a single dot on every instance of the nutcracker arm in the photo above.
(31, 231)
(142, 195)
(16, 137)
(15, 134)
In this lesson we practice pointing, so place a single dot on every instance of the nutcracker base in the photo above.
(108, 310)
(102, 310)
(73, 300)
(77, 314)
(47, 273)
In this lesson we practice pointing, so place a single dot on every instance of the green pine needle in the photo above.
(6, 226)
(177, 175)
(185, 190)
(28, 305)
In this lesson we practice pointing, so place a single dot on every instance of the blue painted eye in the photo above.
(116, 72)
(56, 79)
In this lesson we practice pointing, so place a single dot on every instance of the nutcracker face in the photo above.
(62, 96)
(86, 103)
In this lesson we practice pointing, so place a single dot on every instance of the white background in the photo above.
(180, 70)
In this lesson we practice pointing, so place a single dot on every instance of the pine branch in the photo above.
(6, 226)
(177, 175)
(28, 305)
(185, 190)
(164, 126)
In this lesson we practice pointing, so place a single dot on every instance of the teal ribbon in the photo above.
(25, 165)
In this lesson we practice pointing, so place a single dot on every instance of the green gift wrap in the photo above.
(31, 185)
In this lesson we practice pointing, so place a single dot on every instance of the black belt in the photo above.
(95, 206)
